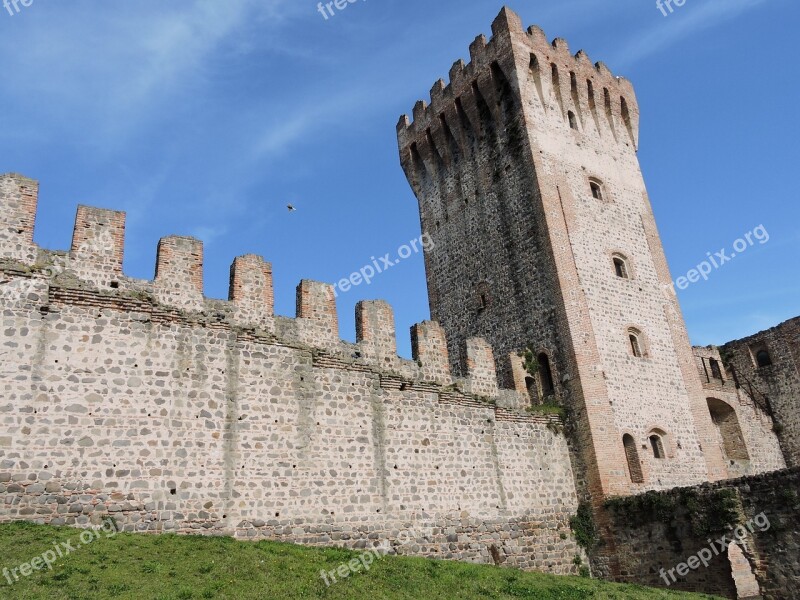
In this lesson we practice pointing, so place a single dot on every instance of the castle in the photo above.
(548, 287)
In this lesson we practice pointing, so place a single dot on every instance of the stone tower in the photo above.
(528, 181)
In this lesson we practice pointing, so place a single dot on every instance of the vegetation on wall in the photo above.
(583, 527)
(709, 512)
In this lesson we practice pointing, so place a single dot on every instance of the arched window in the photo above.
(621, 266)
(716, 372)
(632, 456)
(597, 189)
(636, 342)
(554, 75)
(573, 121)
(728, 430)
(657, 445)
(546, 374)
(763, 358)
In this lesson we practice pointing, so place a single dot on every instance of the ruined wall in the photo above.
(655, 533)
(173, 412)
(745, 430)
(775, 385)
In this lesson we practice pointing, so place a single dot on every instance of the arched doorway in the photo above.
(730, 433)
(746, 582)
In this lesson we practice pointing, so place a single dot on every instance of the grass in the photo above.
(546, 409)
(167, 567)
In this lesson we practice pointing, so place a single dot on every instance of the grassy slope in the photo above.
(173, 567)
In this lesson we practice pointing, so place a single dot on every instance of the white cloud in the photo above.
(108, 68)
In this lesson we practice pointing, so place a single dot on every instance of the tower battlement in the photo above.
(565, 87)
(91, 273)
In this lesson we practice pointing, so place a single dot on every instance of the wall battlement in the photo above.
(167, 411)
(564, 84)
(91, 273)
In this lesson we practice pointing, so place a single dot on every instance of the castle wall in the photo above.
(748, 442)
(172, 412)
(655, 533)
(777, 385)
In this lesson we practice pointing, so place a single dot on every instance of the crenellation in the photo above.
(317, 318)
(481, 369)
(507, 24)
(179, 272)
(375, 331)
(19, 197)
(457, 74)
(511, 46)
(251, 291)
(478, 51)
(98, 246)
(429, 349)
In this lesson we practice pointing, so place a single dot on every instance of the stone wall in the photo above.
(746, 431)
(655, 533)
(172, 412)
(775, 385)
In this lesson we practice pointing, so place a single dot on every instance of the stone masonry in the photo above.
(169, 411)
(775, 384)
(172, 412)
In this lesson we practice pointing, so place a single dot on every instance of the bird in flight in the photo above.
(291, 208)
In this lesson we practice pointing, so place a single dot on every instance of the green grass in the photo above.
(144, 567)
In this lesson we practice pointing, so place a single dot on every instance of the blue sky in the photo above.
(207, 118)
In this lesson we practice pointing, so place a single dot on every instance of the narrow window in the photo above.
(763, 359)
(482, 297)
(548, 389)
(597, 190)
(573, 122)
(530, 385)
(632, 456)
(634, 337)
(716, 372)
(658, 446)
(621, 267)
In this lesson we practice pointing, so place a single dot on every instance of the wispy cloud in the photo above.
(110, 72)
(688, 20)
